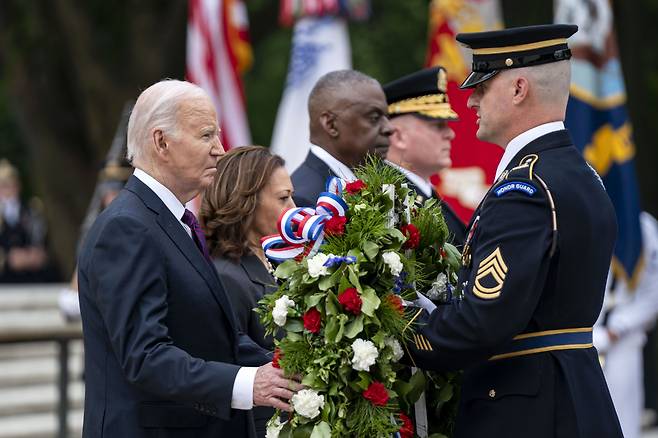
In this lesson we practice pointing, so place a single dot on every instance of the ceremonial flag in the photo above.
(320, 44)
(473, 162)
(218, 51)
(599, 123)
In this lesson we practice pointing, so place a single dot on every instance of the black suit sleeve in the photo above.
(129, 278)
(504, 283)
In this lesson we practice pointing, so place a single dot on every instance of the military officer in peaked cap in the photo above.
(419, 145)
(535, 258)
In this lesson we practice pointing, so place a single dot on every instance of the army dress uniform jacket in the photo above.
(534, 270)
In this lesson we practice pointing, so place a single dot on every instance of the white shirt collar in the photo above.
(338, 168)
(423, 185)
(521, 140)
(165, 195)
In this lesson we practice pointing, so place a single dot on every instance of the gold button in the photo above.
(492, 393)
(509, 62)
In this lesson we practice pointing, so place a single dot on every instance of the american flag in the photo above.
(218, 51)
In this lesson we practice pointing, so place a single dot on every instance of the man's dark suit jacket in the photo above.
(247, 281)
(309, 180)
(162, 346)
(455, 225)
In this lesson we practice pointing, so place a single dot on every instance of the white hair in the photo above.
(157, 108)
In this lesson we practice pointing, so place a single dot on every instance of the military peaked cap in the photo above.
(422, 93)
(516, 47)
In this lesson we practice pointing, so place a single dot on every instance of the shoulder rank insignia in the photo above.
(490, 276)
(422, 343)
(515, 186)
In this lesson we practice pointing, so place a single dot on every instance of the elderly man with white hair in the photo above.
(163, 354)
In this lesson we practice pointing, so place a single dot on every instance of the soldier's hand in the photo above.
(271, 388)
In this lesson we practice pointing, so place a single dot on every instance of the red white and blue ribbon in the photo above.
(301, 225)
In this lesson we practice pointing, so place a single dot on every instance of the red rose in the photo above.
(312, 320)
(395, 302)
(350, 300)
(407, 428)
(412, 234)
(355, 186)
(335, 226)
(443, 253)
(276, 358)
(377, 394)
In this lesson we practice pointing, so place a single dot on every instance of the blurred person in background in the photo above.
(419, 146)
(347, 112)
(242, 205)
(23, 256)
(620, 332)
(111, 179)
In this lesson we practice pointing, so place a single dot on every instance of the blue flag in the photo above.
(599, 123)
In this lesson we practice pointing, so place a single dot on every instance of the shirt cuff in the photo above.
(243, 388)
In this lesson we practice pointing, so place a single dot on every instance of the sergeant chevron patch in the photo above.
(422, 343)
(490, 276)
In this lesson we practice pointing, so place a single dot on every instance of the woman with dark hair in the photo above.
(250, 190)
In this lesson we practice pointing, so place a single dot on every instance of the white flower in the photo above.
(439, 287)
(365, 355)
(274, 427)
(280, 311)
(316, 265)
(307, 403)
(396, 347)
(392, 259)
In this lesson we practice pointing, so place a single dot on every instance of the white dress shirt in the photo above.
(243, 387)
(339, 169)
(423, 185)
(521, 140)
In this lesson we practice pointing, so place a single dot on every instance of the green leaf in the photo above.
(285, 269)
(354, 279)
(294, 325)
(354, 328)
(313, 300)
(369, 301)
(446, 393)
(417, 383)
(310, 380)
(294, 337)
(396, 234)
(286, 431)
(331, 330)
(321, 430)
(331, 280)
(302, 431)
(342, 319)
(454, 256)
(370, 249)
(331, 304)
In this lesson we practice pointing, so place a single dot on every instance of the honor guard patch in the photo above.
(490, 276)
(516, 186)
(422, 343)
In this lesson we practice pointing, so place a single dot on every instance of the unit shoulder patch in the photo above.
(526, 188)
(490, 276)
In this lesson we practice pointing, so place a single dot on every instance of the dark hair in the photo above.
(229, 203)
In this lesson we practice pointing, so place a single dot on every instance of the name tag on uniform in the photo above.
(516, 186)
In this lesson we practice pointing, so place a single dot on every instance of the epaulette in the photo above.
(526, 170)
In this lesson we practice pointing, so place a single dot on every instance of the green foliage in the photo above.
(367, 420)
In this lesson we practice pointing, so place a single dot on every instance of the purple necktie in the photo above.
(197, 233)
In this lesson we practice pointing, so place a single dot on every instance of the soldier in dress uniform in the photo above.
(419, 146)
(535, 259)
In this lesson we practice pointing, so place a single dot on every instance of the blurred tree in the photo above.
(68, 69)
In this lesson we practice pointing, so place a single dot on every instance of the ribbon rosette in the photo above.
(300, 225)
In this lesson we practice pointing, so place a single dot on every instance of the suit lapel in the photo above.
(174, 230)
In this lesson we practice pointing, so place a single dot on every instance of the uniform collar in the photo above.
(339, 169)
(423, 185)
(521, 140)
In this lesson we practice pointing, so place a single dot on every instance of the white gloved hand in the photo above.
(424, 302)
(69, 304)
